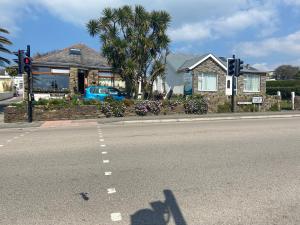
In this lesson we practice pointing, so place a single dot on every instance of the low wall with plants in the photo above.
(62, 109)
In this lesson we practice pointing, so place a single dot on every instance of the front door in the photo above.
(81, 82)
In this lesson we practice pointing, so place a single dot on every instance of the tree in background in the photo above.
(286, 72)
(4, 41)
(133, 41)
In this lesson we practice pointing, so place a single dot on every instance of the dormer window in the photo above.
(75, 51)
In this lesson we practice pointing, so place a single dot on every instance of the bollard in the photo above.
(293, 100)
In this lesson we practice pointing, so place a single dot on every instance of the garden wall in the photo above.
(14, 114)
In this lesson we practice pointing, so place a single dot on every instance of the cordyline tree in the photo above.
(133, 41)
(4, 41)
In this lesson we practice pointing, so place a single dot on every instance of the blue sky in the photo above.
(263, 33)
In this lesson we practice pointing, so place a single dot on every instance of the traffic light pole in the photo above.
(233, 91)
(29, 92)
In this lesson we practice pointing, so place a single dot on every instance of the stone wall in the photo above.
(268, 101)
(14, 114)
(92, 77)
(73, 83)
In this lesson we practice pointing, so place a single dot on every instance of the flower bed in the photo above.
(78, 109)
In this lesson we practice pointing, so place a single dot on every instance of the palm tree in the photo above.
(4, 41)
(132, 40)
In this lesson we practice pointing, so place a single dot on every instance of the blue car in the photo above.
(101, 92)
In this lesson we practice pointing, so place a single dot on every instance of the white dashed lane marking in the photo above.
(1, 146)
(103, 153)
(106, 161)
(111, 191)
(107, 173)
(101, 140)
(103, 146)
(116, 217)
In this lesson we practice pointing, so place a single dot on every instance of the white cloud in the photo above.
(230, 25)
(288, 45)
(292, 2)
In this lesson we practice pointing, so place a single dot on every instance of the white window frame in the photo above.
(245, 79)
(200, 76)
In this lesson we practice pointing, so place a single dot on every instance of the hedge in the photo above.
(284, 86)
(283, 83)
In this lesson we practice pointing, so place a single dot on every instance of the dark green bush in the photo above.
(224, 108)
(284, 86)
(285, 91)
(283, 83)
(274, 108)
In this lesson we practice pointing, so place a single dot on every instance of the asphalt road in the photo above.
(201, 173)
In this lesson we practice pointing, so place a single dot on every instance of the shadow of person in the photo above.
(160, 213)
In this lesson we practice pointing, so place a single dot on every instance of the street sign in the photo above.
(257, 100)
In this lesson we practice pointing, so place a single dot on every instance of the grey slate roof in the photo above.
(88, 58)
(192, 61)
(175, 60)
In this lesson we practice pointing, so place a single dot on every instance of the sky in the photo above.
(264, 33)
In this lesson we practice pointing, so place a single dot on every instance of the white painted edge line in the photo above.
(107, 173)
(211, 119)
(103, 153)
(1, 145)
(103, 146)
(106, 161)
(111, 191)
(116, 217)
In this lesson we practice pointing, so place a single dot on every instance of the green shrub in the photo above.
(109, 99)
(19, 104)
(283, 83)
(284, 86)
(224, 108)
(274, 108)
(285, 91)
(249, 108)
(286, 105)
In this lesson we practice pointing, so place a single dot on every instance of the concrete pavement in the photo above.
(200, 172)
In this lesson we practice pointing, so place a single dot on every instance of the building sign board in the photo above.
(257, 100)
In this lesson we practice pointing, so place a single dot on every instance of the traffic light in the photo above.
(20, 61)
(239, 67)
(27, 60)
(231, 67)
(27, 64)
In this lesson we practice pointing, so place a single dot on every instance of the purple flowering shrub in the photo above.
(144, 107)
(113, 108)
(196, 105)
